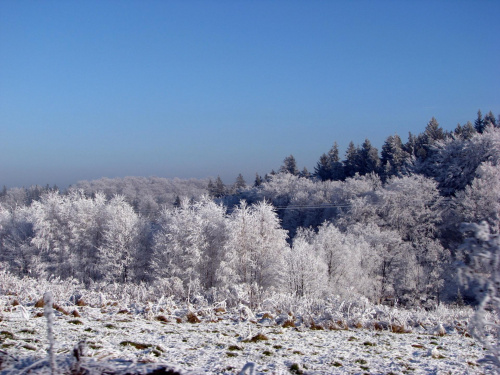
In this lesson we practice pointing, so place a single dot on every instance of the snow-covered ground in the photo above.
(120, 338)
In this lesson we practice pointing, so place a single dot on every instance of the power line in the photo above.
(307, 207)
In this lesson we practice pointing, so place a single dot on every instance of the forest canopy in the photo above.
(384, 226)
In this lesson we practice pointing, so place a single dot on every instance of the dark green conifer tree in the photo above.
(258, 180)
(351, 162)
(490, 120)
(289, 166)
(479, 123)
(321, 170)
(368, 158)
(240, 183)
(305, 173)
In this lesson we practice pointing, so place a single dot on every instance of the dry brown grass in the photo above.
(257, 337)
(162, 318)
(315, 326)
(60, 309)
(398, 328)
(192, 318)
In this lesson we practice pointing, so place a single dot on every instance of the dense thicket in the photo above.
(383, 227)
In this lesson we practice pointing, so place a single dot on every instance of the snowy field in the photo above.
(135, 339)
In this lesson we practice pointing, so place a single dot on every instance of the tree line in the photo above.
(382, 228)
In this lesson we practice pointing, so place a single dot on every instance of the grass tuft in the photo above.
(6, 334)
(315, 326)
(192, 318)
(258, 337)
(397, 328)
(60, 309)
(136, 345)
(295, 369)
(162, 318)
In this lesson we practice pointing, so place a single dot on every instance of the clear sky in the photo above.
(204, 88)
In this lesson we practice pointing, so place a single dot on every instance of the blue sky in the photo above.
(205, 88)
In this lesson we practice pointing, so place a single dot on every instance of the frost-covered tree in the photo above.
(386, 265)
(255, 251)
(348, 260)
(240, 183)
(412, 206)
(480, 201)
(306, 273)
(454, 161)
(304, 173)
(120, 235)
(189, 246)
(394, 159)
(86, 224)
(86, 238)
(147, 195)
(216, 189)
(15, 197)
(465, 132)
(490, 120)
(295, 193)
(214, 235)
(51, 217)
(16, 250)
(424, 146)
(176, 251)
(482, 255)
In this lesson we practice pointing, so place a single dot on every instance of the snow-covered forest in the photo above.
(387, 228)
(416, 227)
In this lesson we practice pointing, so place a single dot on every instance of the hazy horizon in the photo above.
(200, 89)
